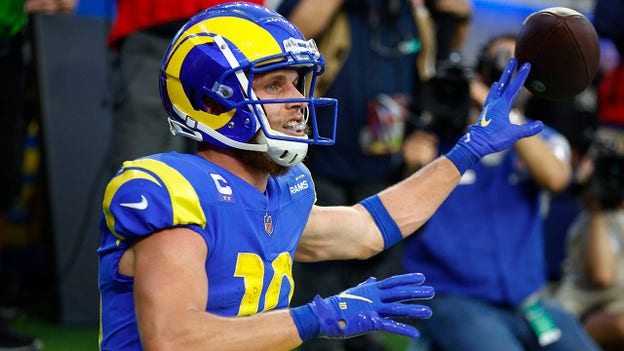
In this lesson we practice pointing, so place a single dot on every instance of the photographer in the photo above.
(593, 281)
(592, 286)
(442, 113)
(483, 248)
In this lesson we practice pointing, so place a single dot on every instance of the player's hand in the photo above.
(367, 307)
(493, 131)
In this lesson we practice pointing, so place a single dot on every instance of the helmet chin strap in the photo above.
(283, 152)
(180, 129)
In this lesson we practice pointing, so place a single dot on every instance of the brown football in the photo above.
(563, 48)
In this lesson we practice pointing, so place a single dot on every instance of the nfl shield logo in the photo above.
(268, 224)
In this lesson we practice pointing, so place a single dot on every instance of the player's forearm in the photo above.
(273, 330)
(414, 200)
(361, 231)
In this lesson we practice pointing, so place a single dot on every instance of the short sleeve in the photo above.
(148, 195)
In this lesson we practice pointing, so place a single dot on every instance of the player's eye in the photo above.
(274, 87)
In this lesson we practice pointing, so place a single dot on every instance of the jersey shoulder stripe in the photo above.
(149, 194)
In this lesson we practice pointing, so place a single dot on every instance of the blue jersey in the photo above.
(486, 239)
(251, 236)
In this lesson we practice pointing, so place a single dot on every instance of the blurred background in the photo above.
(48, 267)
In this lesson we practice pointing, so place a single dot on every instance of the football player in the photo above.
(197, 249)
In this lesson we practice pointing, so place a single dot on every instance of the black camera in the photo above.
(446, 99)
(607, 182)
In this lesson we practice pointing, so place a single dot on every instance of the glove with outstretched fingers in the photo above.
(365, 308)
(493, 131)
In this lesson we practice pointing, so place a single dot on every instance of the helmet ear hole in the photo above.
(211, 106)
(195, 102)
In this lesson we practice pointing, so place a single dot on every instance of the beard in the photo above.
(255, 159)
(260, 160)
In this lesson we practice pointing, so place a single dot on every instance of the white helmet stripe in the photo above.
(242, 80)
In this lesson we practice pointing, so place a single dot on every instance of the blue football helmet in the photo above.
(215, 55)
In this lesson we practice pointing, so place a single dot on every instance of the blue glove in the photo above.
(493, 131)
(364, 308)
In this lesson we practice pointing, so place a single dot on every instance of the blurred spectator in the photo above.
(377, 53)
(592, 286)
(611, 90)
(141, 32)
(482, 249)
(608, 23)
(451, 19)
(579, 120)
(576, 119)
(15, 61)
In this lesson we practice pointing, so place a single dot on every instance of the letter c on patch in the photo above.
(221, 184)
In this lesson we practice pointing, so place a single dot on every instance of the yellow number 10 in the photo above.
(250, 267)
